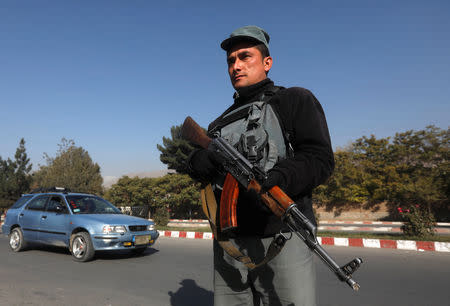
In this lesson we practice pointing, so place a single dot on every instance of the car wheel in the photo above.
(16, 241)
(138, 251)
(81, 247)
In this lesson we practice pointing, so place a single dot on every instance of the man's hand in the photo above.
(274, 178)
(253, 198)
(207, 164)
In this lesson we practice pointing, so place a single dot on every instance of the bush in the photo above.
(418, 220)
(161, 216)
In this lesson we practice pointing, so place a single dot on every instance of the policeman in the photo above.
(283, 131)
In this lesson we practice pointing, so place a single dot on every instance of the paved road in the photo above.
(177, 272)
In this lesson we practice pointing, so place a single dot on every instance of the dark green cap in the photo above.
(247, 33)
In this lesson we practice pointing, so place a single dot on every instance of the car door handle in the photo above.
(44, 217)
(21, 215)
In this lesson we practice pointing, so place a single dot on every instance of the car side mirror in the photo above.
(59, 208)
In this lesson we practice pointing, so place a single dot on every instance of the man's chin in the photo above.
(238, 85)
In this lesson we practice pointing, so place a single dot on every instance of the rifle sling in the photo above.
(210, 207)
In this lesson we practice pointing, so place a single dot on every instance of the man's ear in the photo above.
(267, 62)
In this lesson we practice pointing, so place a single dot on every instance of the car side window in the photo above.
(54, 202)
(38, 203)
(21, 201)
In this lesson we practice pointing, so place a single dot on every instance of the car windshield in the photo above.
(87, 204)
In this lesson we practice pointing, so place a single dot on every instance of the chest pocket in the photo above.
(254, 130)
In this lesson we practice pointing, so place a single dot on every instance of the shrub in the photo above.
(161, 216)
(417, 220)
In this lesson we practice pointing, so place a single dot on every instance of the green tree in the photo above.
(423, 159)
(132, 192)
(15, 177)
(180, 194)
(345, 187)
(72, 167)
(411, 168)
(6, 182)
(22, 169)
(175, 151)
(177, 193)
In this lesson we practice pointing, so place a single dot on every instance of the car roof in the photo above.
(59, 193)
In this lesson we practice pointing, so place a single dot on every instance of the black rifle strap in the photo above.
(274, 249)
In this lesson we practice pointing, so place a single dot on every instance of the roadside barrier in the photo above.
(348, 242)
(320, 222)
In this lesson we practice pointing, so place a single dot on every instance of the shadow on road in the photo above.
(122, 254)
(104, 255)
(190, 294)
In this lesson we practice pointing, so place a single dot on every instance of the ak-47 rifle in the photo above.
(241, 171)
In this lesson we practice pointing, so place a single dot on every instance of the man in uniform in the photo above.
(283, 131)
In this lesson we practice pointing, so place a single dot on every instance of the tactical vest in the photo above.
(255, 130)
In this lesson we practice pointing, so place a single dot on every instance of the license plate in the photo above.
(138, 240)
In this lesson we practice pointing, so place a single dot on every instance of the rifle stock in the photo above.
(194, 133)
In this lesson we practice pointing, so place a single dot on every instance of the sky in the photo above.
(115, 76)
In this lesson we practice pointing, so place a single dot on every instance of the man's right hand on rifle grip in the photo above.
(207, 164)
(274, 178)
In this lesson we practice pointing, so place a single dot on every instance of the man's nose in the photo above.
(237, 65)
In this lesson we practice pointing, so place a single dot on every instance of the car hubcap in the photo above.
(14, 240)
(78, 247)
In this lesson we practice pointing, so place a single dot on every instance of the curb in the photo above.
(320, 222)
(410, 245)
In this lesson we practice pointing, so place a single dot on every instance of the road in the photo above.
(177, 272)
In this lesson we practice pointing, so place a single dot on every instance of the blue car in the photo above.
(84, 223)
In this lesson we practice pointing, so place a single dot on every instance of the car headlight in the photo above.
(151, 227)
(108, 229)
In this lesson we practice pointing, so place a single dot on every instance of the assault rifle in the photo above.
(240, 170)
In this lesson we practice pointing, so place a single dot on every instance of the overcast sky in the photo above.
(114, 76)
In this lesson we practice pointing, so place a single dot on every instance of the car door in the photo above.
(55, 222)
(30, 217)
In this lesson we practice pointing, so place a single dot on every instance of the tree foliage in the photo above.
(177, 193)
(15, 177)
(132, 192)
(175, 151)
(412, 168)
(72, 167)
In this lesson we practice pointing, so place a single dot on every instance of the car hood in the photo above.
(113, 219)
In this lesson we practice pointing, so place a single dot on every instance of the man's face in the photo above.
(246, 66)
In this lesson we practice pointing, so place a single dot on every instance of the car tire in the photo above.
(16, 240)
(81, 247)
(138, 251)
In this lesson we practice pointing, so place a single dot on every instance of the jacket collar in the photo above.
(252, 92)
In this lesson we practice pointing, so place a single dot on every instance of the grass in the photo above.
(439, 238)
